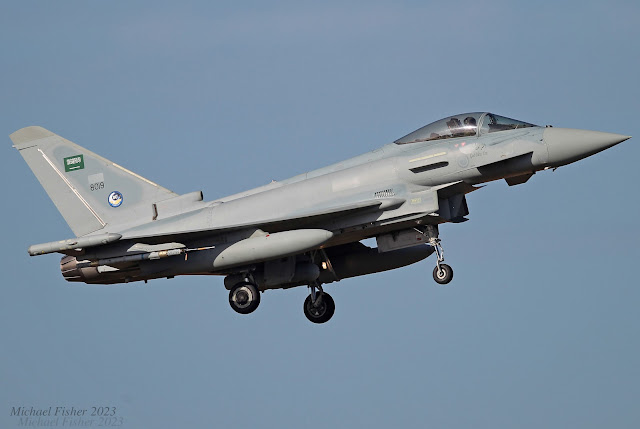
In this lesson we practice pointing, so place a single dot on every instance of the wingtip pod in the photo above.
(73, 243)
(28, 134)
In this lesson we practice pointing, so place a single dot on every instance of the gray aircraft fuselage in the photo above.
(303, 230)
(406, 176)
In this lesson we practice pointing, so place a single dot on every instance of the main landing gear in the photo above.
(244, 298)
(319, 306)
(442, 273)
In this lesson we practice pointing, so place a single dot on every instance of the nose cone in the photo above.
(566, 145)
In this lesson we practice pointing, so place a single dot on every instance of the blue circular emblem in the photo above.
(115, 199)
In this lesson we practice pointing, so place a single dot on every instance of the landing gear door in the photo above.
(453, 208)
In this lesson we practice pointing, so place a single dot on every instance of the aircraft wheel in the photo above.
(443, 274)
(244, 298)
(322, 312)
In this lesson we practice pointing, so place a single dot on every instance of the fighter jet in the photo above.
(303, 231)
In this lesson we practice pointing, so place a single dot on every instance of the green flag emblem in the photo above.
(75, 162)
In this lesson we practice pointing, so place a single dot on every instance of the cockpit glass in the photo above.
(464, 125)
(492, 123)
(452, 126)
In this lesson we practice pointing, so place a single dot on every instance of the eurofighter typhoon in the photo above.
(305, 230)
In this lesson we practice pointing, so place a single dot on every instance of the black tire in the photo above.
(244, 298)
(444, 275)
(321, 313)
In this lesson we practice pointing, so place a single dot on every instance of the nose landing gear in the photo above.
(442, 273)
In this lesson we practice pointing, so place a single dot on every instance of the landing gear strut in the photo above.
(319, 306)
(442, 273)
(244, 297)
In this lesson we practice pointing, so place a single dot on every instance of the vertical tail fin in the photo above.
(90, 191)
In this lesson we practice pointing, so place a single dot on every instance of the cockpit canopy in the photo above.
(463, 125)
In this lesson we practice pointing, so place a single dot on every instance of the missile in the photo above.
(133, 258)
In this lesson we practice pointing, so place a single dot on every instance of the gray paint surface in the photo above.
(552, 347)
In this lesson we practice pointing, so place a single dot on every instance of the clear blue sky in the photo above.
(540, 326)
